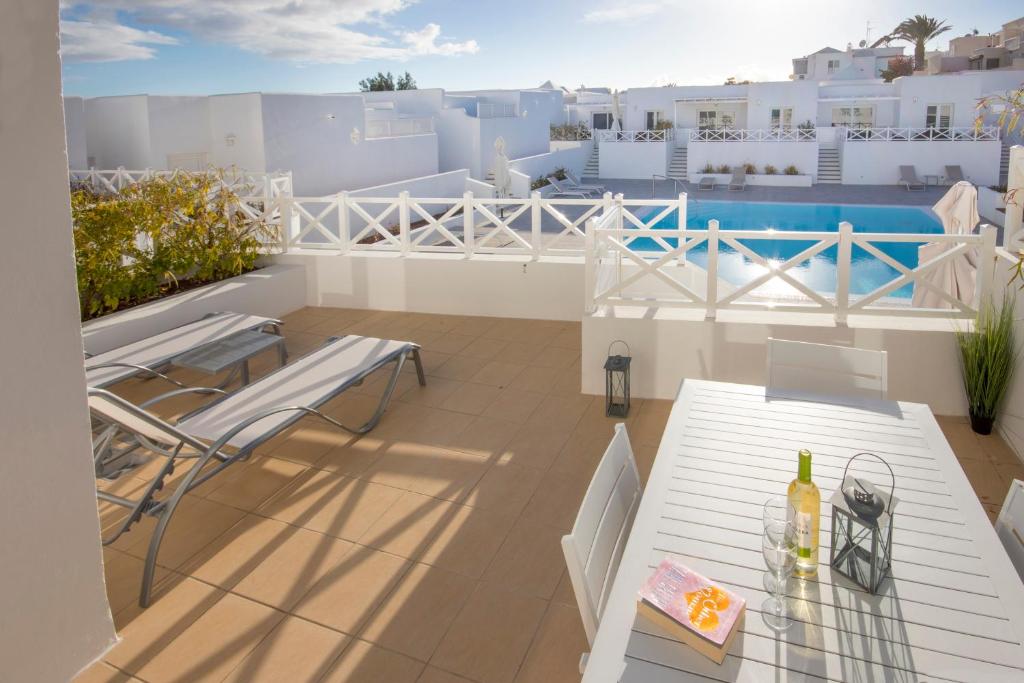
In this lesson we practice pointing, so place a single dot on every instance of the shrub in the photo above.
(770, 170)
(988, 354)
(791, 170)
(157, 235)
(663, 124)
(708, 168)
(538, 183)
(568, 131)
(724, 168)
(749, 168)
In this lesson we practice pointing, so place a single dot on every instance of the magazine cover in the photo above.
(706, 609)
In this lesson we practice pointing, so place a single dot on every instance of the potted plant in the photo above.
(791, 170)
(987, 356)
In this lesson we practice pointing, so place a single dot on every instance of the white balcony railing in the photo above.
(269, 185)
(495, 110)
(888, 134)
(753, 135)
(664, 135)
(393, 128)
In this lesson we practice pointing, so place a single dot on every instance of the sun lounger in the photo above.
(908, 177)
(739, 179)
(562, 190)
(230, 428)
(706, 183)
(149, 355)
(577, 185)
(954, 174)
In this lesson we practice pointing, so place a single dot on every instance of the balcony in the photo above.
(930, 134)
(495, 110)
(391, 128)
(753, 135)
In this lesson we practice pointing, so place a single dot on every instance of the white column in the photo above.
(468, 223)
(843, 258)
(1012, 235)
(536, 237)
(711, 291)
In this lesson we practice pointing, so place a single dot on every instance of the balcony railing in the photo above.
(753, 135)
(495, 110)
(888, 134)
(664, 135)
(270, 185)
(392, 128)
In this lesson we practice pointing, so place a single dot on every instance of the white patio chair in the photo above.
(230, 428)
(706, 183)
(908, 177)
(954, 174)
(826, 369)
(562, 190)
(739, 179)
(147, 356)
(594, 546)
(1010, 525)
(575, 183)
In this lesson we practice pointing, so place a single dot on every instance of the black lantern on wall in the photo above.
(862, 528)
(616, 382)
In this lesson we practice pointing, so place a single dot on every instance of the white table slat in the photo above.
(952, 610)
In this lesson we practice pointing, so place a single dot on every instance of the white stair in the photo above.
(593, 167)
(828, 166)
(677, 167)
(1004, 166)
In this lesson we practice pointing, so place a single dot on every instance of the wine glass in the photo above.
(778, 545)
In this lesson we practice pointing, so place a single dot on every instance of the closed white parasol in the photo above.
(616, 111)
(502, 173)
(958, 211)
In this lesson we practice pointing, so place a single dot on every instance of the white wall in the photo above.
(801, 96)
(961, 89)
(803, 155)
(524, 136)
(423, 102)
(177, 125)
(74, 123)
(640, 100)
(877, 163)
(240, 117)
(458, 141)
(117, 131)
(568, 155)
(54, 615)
(636, 160)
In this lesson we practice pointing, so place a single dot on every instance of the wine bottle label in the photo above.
(802, 523)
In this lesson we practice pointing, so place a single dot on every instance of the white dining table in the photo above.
(951, 610)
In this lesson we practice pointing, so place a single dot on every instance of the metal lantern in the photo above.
(616, 382)
(862, 518)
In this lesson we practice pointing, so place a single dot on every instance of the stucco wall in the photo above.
(569, 155)
(236, 132)
(178, 125)
(53, 609)
(458, 140)
(117, 131)
(877, 163)
(636, 160)
(74, 124)
(803, 155)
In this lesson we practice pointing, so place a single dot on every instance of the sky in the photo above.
(117, 47)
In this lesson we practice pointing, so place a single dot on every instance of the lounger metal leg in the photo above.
(386, 398)
(419, 367)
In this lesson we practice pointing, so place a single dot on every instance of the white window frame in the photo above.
(936, 118)
(609, 118)
(657, 116)
(709, 115)
(784, 119)
(832, 66)
(850, 120)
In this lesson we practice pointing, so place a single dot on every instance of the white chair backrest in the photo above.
(113, 409)
(594, 547)
(1010, 525)
(826, 369)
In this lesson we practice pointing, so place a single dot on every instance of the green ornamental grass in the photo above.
(988, 355)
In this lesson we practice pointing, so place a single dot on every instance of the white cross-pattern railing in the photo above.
(658, 274)
(393, 128)
(889, 134)
(753, 135)
(662, 135)
(269, 185)
(495, 110)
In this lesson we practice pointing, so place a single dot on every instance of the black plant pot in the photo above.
(982, 425)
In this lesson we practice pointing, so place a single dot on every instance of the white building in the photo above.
(982, 52)
(829, 63)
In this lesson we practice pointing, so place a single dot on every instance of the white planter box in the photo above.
(990, 205)
(271, 291)
(778, 180)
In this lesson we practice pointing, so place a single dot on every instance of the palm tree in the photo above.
(918, 31)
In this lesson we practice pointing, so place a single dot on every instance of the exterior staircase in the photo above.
(593, 167)
(677, 167)
(1004, 166)
(828, 166)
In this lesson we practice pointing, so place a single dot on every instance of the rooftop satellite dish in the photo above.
(862, 43)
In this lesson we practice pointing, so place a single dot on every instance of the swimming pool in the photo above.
(867, 273)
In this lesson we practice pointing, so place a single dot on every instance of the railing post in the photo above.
(682, 224)
(403, 221)
(619, 208)
(711, 291)
(344, 224)
(589, 267)
(468, 227)
(120, 178)
(843, 264)
(535, 224)
(288, 229)
(986, 269)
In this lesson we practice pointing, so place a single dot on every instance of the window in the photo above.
(782, 118)
(707, 119)
(602, 121)
(992, 63)
(853, 117)
(938, 116)
(833, 66)
(653, 118)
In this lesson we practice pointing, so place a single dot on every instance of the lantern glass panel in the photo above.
(617, 386)
(861, 550)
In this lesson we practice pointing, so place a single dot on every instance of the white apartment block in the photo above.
(829, 64)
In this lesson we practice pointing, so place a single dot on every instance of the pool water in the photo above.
(867, 273)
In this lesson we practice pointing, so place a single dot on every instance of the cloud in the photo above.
(105, 41)
(303, 31)
(624, 13)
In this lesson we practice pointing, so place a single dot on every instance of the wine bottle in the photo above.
(805, 515)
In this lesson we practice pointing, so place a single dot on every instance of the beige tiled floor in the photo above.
(427, 550)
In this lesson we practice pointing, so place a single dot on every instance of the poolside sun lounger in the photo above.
(954, 174)
(739, 179)
(227, 430)
(908, 177)
(153, 353)
(577, 185)
(706, 183)
(565, 191)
